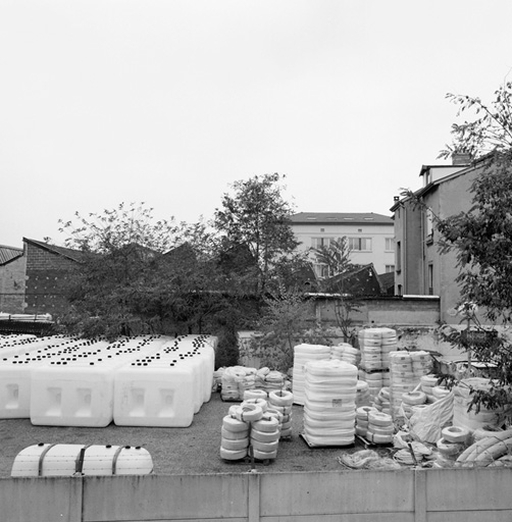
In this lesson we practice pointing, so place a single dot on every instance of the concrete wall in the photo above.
(433, 495)
(410, 311)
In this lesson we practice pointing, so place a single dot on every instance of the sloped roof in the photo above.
(361, 281)
(74, 255)
(8, 254)
(337, 218)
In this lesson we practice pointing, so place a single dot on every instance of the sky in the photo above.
(170, 102)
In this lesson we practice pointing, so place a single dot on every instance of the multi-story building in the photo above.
(370, 236)
(421, 268)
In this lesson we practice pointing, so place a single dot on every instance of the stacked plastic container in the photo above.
(143, 381)
(21, 362)
(330, 403)
(302, 354)
(168, 387)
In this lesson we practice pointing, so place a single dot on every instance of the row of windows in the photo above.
(322, 270)
(359, 244)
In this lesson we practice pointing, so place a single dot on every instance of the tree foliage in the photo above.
(481, 239)
(336, 258)
(489, 127)
(138, 273)
(256, 216)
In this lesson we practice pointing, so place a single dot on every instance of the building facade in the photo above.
(420, 268)
(370, 236)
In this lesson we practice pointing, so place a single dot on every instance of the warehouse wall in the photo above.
(423, 495)
(399, 311)
(46, 276)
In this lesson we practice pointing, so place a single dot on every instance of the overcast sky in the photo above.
(169, 102)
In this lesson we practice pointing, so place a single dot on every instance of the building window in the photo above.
(398, 256)
(360, 244)
(430, 277)
(390, 244)
(319, 242)
(321, 270)
(389, 268)
(429, 225)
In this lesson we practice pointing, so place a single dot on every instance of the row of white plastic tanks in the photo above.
(142, 381)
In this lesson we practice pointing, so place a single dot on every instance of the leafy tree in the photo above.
(138, 274)
(481, 239)
(489, 129)
(256, 216)
(336, 258)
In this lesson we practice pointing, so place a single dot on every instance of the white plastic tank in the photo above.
(46, 460)
(160, 394)
(78, 389)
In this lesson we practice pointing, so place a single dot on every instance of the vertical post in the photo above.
(253, 500)
(420, 495)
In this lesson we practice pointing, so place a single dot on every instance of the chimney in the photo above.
(461, 158)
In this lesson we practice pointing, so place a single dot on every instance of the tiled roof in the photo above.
(326, 218)
(9, 253)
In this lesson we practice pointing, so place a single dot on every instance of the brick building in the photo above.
(47, 267)
(12, 280)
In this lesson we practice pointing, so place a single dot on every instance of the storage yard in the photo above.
(346, 408)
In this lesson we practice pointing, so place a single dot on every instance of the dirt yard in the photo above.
(176, 450)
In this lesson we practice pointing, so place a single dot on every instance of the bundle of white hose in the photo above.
(380, 428)
(264, 438)
(428, 382)
(345, 352)
(410, 399)
(449, 450)
(262, 403)
(255, 394)
(280, 398)
(421, 362)
(248, 412)
(280, 417)
(282, 401)
(303, 353)
(456, 434)
(234, 438)
(382, 402)
(487, 450)
(363, 395)
(362, 419)
(481, 433)
(267, 423)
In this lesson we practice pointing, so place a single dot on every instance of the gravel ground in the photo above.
(193, 450)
